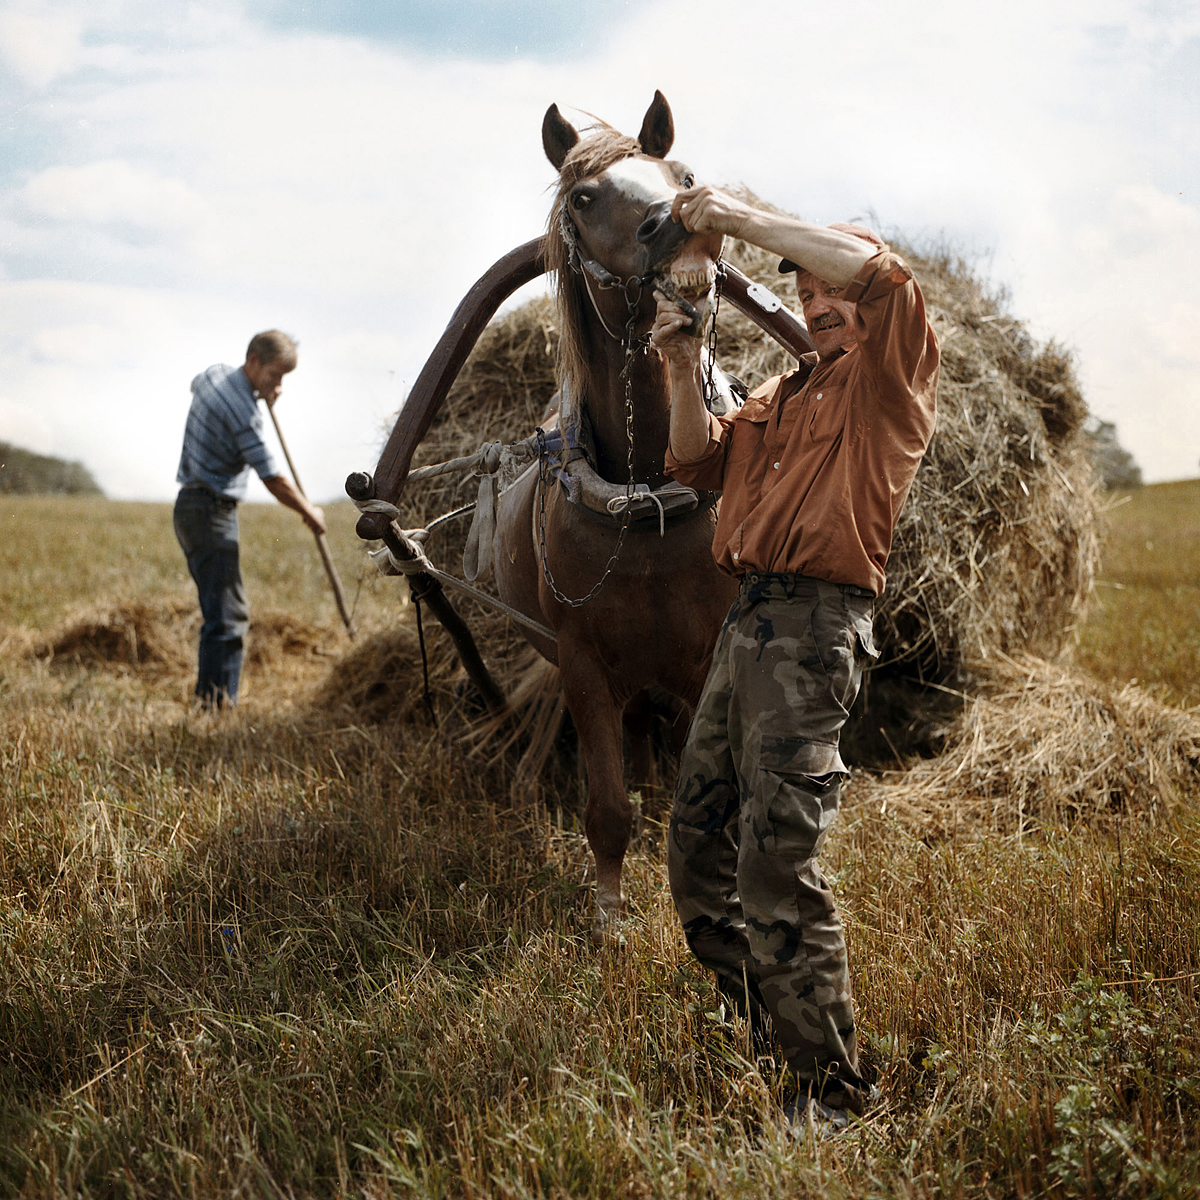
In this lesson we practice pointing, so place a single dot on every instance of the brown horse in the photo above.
(656, 597)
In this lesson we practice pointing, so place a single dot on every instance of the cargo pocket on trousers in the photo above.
(801, 786)
(837, 644)
(864, 635)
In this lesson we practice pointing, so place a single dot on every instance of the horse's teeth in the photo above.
(693, 280)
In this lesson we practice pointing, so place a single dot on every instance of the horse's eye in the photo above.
(689, 181)
(580, 201)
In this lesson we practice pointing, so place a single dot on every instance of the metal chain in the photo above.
(633, 344)
(710, 390)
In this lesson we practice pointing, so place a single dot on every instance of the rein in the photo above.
(588, 275)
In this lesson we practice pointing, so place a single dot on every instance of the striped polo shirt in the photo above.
(223, 437)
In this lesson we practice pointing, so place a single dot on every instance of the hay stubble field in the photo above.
(314, 948)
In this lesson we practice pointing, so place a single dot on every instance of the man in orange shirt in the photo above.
(813, 471)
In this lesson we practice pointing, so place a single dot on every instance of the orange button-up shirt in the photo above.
(815, 467)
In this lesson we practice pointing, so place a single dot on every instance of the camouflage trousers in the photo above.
(758, 789)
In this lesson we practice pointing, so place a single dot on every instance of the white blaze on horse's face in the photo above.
(642, 180)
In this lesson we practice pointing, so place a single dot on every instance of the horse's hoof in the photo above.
(605, 937)
(609, 929)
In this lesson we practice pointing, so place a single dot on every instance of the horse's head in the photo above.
(613, 212)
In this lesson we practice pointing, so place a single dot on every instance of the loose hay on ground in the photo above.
(132, 633)
(1043, 743)
(161, 635)
(378, 680)
(275, 634)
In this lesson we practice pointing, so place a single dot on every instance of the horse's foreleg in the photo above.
(608, 815)
(639, 720)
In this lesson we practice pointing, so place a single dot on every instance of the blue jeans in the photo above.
(207, 528)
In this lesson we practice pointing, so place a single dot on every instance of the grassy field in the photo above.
(57, 553)
(1145, 621)
(295, 950)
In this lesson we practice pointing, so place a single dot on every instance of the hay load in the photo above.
(997, 547)
(998, 544)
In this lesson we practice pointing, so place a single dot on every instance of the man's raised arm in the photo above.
(829, 254)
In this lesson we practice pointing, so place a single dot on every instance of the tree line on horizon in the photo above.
(1114, 465)
(23, 472)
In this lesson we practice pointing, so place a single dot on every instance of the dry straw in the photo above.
(160, 635)
(150, 634)
(1043, 743)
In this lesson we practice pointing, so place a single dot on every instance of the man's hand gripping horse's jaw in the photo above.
(690, 279)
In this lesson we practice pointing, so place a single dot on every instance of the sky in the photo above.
(178, 174)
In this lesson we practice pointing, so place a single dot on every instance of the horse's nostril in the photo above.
(658, 215)
(648, 228)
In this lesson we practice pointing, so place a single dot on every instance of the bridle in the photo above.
(633, 288)
(590, 269)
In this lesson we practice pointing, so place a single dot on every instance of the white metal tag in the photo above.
(764, 298)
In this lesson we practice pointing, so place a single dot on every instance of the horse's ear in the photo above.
(558, 136)
(658, 128)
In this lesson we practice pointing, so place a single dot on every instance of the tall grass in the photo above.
(1148, 624)
(285, 951)
(57, 552)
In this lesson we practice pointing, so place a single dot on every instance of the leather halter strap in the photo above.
(591, 269)
(588, 274)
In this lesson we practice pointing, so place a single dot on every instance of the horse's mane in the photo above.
(589, 156)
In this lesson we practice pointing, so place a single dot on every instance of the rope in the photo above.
(487, 462)
(419, 564)
(416, 599)
(618, 505)
(488, 459)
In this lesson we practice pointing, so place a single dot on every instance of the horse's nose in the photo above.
(658, 216)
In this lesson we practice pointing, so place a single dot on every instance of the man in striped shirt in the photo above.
(221, 442)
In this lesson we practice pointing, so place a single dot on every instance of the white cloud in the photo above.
(87, 345)
(1122, 288)
(21, 424)
(38, 46)
(115, 194)
(102, 373)
(1145, 223)
(1181, 334)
